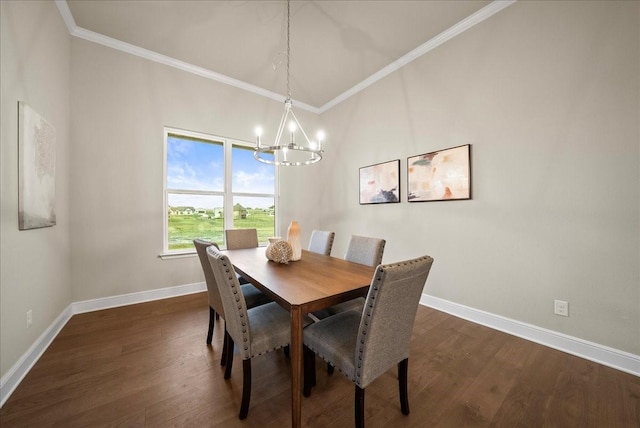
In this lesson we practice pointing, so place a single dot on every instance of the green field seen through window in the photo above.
(183, 229)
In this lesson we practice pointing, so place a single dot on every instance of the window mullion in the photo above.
(228, 195)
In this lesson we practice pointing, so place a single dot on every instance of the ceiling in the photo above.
(335, 45)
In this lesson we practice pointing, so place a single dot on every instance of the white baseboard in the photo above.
(14, 376)
(617, 359)
(601, 354)
(133, 298)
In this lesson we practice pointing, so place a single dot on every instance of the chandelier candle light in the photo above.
(291, 153)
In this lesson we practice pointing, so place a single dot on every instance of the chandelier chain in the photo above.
(288, 47)
(291, 153)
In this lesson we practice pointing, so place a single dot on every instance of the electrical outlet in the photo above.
(29, 318)
(560, 307)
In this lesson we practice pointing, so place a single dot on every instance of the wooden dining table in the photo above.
(312, 283)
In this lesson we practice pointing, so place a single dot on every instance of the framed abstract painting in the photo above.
(444, 175)
(380, 183)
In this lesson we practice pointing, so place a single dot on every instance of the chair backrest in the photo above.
(238, 239)
(212, 286)
(321, 242)
(235, 308)
(364, 250)
(388, 316)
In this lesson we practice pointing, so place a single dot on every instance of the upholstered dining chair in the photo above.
(364, 345)
(256, 330)
(321, 242)
(238, 239)
(252, 295)
(366, 251)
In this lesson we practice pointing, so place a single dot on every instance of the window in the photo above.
(213, 184)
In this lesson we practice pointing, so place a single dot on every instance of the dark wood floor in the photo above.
(148, 365)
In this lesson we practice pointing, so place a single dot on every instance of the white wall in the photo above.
(547, 93)
(120, 104)
(34, 264)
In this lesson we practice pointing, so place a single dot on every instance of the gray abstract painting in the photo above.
(37, 170)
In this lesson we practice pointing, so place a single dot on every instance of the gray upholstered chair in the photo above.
(238, 239)
(252, 295)
(364, 345)
(363, 250)
(321, 242)
(256, 330)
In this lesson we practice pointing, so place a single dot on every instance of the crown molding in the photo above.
(101, 39)
(472, 20)
(67, 17)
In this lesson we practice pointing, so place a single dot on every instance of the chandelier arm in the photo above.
(300, 127)
(283, 121)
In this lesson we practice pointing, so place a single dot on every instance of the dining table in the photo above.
(310, 284)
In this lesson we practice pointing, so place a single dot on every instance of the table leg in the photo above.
(296, 366)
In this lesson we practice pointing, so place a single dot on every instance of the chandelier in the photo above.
(302, 151)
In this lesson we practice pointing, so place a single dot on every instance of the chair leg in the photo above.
(402, 384)
(225, 346)
(330, 368)
(212, 315)
(246, 388)
(217, 316)
(359, 407)
(309, 371)
(229, 364)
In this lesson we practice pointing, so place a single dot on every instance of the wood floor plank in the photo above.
(574, 400)
(148, 365)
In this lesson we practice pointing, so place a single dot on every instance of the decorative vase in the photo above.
(272, 241)
(293, 237)
(279, 252)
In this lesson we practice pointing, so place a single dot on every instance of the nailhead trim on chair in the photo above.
(369, 309)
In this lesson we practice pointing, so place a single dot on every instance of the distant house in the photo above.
(181, 211)
(241, 213)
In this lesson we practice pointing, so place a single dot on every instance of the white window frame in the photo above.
(227, 192)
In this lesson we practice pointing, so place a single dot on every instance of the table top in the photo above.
(314, 282)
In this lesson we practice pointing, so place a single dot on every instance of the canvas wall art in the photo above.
(440, 176)
(37, 170)
(380, 183)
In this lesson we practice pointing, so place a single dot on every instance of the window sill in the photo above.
(177, 255)
(189, 253)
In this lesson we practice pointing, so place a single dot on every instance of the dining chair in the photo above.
(256, 330)
(251, 294)
(238, 239)
(321, 242)
(366, 251)
(364, 345)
